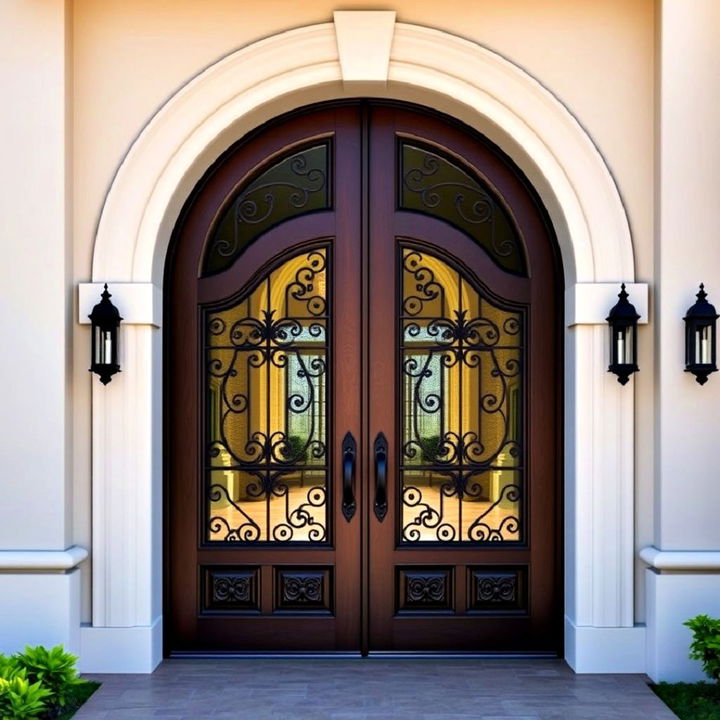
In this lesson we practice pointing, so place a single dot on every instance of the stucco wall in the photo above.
(129, 56)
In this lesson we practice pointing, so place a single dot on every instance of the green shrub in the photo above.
(40, 683)
(21, 699)
(54, 669)
(706, 643)
(9, 667)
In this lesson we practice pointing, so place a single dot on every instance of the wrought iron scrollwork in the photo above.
(294, 185)
(462, 378)
(266, 368)
(437, 185)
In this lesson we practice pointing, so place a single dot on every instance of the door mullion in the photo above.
(365, 367)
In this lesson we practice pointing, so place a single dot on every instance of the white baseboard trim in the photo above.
(605, 650)
(40, 608)
(121, 649)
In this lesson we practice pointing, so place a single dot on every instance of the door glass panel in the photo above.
(295, 185)
(266, 369)
(436, 185)
(461, 370)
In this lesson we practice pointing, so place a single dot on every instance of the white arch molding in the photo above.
(219, 106)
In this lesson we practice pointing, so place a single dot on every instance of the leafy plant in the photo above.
(21, 699)
(54, 669)
(9, 667)
(706, 643)
(431, 448)
(294, 449)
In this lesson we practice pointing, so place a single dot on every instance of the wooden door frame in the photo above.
(269, 133)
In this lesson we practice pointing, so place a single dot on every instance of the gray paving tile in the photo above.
(371, 689)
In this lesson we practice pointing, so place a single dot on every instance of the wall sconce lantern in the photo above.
(623, 338)
(700, 345)
(105, 320)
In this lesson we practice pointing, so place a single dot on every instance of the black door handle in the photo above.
(349, 451)
(381, 451)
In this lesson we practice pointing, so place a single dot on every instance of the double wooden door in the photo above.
(362, 396)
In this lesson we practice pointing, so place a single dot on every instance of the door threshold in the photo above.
(356, 655)
(461, 655)
(263, 654)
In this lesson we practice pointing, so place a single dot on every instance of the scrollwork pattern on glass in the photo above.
(294, 185)
(266, 367)
(437, 185)
(461, 372)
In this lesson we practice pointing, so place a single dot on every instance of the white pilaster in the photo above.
(127, 514)
(34, 275)
(687, 253)
(599, 498)
(684, 574)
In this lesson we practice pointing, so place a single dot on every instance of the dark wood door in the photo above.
(464, 386)
(362, 395)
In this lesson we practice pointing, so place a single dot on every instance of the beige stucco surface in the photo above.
(130, 56)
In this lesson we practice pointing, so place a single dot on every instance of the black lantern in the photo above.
(700, 344)
(105, 320)
(623, 338)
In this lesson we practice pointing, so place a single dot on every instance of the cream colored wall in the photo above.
(131, 55)
(35, 273)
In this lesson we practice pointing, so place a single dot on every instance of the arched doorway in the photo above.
(363, 408)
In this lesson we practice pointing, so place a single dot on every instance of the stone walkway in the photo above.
(373, 689)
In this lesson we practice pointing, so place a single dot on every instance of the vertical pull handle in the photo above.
(349, 451)
(381, 451)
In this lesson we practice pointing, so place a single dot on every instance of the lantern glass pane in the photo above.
(629, 358)
(106, 347)
(702, 345)
(623, 345)
(97, 345)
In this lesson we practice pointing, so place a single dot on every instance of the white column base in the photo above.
(673, 598)
(605, 649)
(121, 649)
(40, 609)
